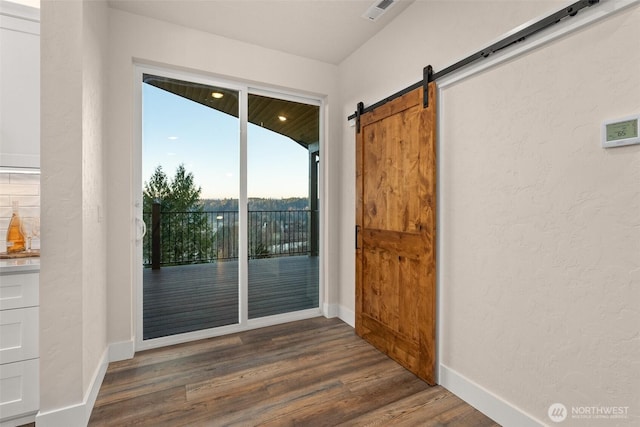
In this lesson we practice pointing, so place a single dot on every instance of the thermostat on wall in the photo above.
(625, 131)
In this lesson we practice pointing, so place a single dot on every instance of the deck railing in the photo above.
(176, 238)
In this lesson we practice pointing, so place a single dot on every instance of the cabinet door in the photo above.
(19, 334)
(19, 290)
(20, 391)
(19, 92)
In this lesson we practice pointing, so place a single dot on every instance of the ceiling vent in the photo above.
(377, 9)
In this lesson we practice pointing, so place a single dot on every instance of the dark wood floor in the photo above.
(188, 298)
(314, 372)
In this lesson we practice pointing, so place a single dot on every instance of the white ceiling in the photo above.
(326, 30)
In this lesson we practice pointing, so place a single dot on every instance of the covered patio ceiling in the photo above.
(295, 120)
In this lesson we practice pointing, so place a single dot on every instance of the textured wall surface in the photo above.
(540, 227)
(61, 277)
(94, 232)
(73, 262)
(542, 260)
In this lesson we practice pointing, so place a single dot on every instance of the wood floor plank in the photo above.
(314, 372)
(395, 412)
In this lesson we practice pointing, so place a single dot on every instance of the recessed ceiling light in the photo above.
(172, 138)
(217, 95)
(282, 118)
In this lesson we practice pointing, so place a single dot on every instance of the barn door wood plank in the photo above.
(395, 216)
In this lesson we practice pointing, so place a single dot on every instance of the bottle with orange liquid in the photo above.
(15, 238)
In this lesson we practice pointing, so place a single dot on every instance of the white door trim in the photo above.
(244, 90)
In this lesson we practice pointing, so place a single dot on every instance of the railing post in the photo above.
(314, 225)
(314, 233)
(156, 252)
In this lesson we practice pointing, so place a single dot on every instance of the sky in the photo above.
(177, 130)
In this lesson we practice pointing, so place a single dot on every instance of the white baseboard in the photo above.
(78, 415)
(94, 387)
(122, 350)
(486, 402)
(70, 416)
(330, 310)
(347, 315)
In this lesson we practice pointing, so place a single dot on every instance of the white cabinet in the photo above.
(19, 290)
(19, 86)
(19, 347)
(20, 395)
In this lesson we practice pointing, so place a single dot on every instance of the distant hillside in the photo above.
(256, 204)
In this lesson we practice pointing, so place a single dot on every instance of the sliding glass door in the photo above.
(282, 146)
(230, 203)
(190, 168)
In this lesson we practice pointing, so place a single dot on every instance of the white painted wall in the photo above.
(540, 227)
(542, 244)
(61, 287)
(94, 205)
(135, 38)
(73, 263)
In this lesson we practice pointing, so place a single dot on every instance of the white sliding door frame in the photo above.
(298, 315)
(138, 226)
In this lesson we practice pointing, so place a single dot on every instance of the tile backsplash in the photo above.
(25, 188)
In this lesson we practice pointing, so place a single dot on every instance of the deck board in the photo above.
(180, 299)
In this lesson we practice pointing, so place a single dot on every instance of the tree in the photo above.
(185, 232)
(179, 195)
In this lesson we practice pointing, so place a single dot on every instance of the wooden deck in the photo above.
(188, 298)
(310, 373)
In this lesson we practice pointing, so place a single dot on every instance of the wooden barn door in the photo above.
(395, 231)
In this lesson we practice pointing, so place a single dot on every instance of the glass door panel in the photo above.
(282, 179)
(190, 172)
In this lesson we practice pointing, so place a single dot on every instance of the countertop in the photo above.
(19, 265)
